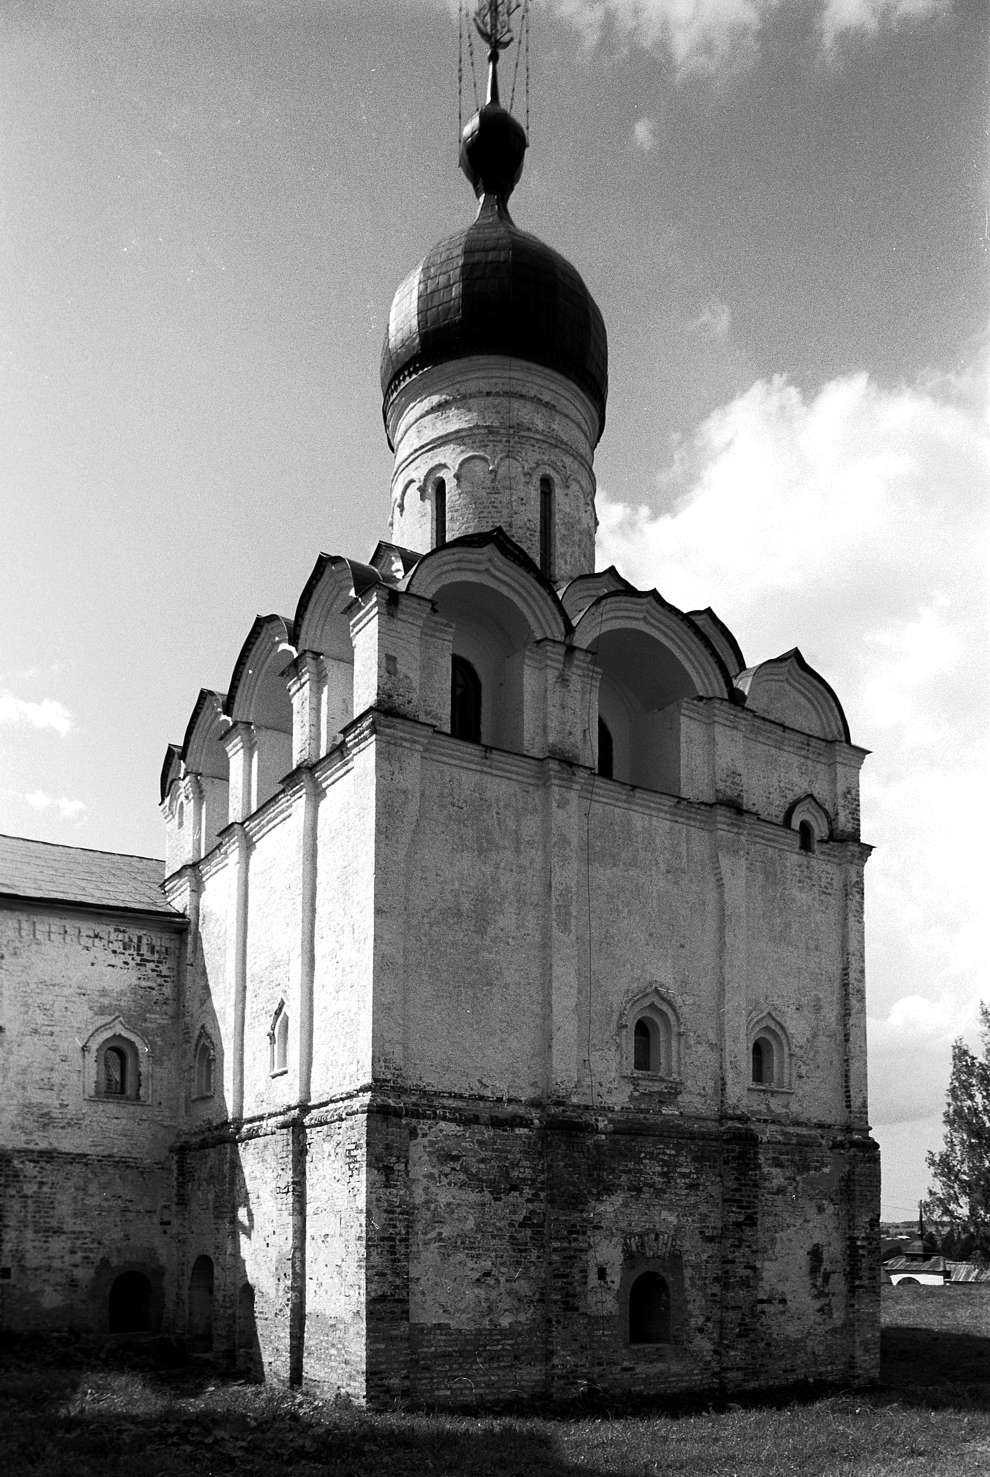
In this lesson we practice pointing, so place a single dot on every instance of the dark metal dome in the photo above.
(493, 289)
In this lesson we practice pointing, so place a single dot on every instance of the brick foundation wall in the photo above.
(501, 1249)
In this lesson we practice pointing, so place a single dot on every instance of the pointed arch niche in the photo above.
(769, 1058)
(811, 821)
(278, 1041)
(204, 1066)
(650, 1039)
(116, 1064)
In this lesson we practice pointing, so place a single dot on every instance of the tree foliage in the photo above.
(960, 1193)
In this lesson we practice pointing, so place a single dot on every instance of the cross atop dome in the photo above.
(494, 144)
(492, 21)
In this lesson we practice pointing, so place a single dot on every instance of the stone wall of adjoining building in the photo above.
(71, 1226)
(503, 1250)
(87, 1191)
(67, 976)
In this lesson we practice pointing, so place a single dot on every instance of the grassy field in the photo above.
(930, 1416)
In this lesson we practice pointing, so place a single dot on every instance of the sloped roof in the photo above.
(968, 1272)
(934, 1264)
(41, 871)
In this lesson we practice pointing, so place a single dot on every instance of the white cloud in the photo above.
(49, 713)
(716, 35)
(844, 17)
(714, 321)
(645, 134)
(700, 35)
(66, 809)
(852, 523)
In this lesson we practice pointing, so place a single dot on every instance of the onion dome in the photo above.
(493, 289)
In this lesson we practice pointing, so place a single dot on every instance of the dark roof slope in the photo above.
(42, 871)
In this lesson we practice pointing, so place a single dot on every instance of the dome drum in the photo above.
(506, 441)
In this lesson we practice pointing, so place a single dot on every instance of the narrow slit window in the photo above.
(205, 1056)
(439, 513)
(465, 701)
(643, 1052)
(279, 1041)
(806, 836)
(546, 526)
(762, 1061)
(606, 750)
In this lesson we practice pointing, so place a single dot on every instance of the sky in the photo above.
(781, 207)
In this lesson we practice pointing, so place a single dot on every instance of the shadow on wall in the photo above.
(214, 1298)
(187, 1282)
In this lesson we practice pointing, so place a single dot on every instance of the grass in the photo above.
(929, 1416)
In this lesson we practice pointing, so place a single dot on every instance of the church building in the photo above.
(496, 1026)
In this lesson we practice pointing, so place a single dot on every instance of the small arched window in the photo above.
(203, 1067)
(439, 513)
(644, 1054)
(606, 750)
(811, 821)
(769, 1055)
(278, 1039)
(762, 1061)
(651, 1035)
(465, 700)
(116, 1064)
(118, 1073)
(115, 1072)
(649, 1310)
(653, 1043)
(546, 526)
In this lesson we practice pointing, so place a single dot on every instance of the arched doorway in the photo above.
(649, 1310)
(200, 1321)
(247, 1356)
(129, 1304)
